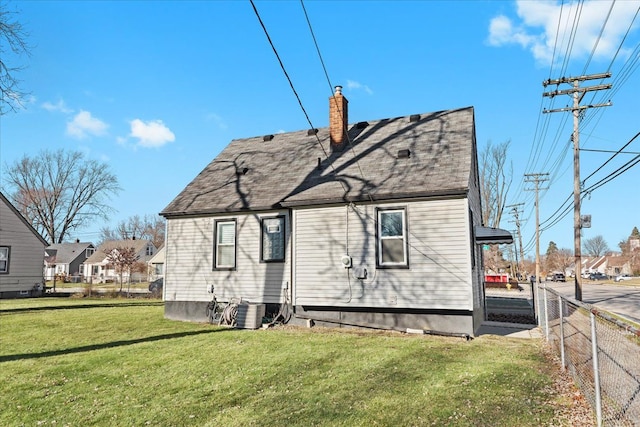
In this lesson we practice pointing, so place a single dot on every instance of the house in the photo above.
(66, 260)
(375, 224)
(98, 269)
(21, 254)
(595, 265)
(156, 265)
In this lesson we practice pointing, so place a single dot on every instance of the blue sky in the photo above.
(156, 89)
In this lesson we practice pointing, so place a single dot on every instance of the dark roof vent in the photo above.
(312, 132)
(319, 164)
(267, 138)
(414, 118)
(361, 125)
(404, 154)
(242, 171)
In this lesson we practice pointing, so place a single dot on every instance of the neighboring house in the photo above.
(617, 265)
(21, 254)
(97, 268)
(375, 224)
(66, 260)
(156, 265)
(596, 265)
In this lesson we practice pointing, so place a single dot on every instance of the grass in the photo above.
(118, 362)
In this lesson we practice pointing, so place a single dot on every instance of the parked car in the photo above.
(598, 276)
(156, 285)
(558, 277)
(622, 277)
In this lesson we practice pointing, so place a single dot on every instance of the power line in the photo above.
(344, 125)
(275, 51)
(578, 94)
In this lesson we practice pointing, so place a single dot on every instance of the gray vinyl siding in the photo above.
(26, 259)
(439, 274)
(189, 261)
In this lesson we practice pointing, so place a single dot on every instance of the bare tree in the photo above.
(13, 37)
(123, 259)
(149, 227)
(560, 260)
(58, 192)
(596, 246)
(495, 180)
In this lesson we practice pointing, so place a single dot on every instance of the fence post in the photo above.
(546, 313)
(561, 309)
(596, 373)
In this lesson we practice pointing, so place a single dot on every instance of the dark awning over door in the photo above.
(491, 236)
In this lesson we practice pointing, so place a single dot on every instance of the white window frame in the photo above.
(403, 237)
(217, 245)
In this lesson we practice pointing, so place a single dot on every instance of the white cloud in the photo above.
(151, 134)
(83, 125)
(353, 85)
(541, 23)
(59, 106)
(213, 117)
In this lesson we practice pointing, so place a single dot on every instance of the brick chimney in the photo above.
(338, 119)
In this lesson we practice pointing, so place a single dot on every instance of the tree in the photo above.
(123, 258)
(58, 192)
(13, 36)
(495, 181)
(549, 259)
(596, 246)
(149, 227)
(560, 260)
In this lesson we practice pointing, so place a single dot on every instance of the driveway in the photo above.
(623, 300)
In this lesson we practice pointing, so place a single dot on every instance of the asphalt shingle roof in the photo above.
(298, 169)
(66, 253)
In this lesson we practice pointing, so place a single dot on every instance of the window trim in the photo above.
(216, 223)
(284, 238)
(7, 269)
(379, 238)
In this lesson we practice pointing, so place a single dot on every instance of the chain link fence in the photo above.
(601, 352)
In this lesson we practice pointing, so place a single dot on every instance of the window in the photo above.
(149, 250)
(225, 245)
(88, 252)
(272, 244)
(5, 251)
(158, 269)
(392, 238)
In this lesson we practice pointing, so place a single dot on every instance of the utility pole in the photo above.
(578, 93)
(516, 212)
(536, 178)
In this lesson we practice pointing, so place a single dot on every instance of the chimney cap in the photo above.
(338, 90)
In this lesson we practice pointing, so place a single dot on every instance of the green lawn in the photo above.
(118, 362)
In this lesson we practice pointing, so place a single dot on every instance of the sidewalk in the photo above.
(512, 330)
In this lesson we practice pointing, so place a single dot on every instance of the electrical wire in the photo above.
(344, 125)
(275, 51)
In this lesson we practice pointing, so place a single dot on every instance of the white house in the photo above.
(66, 259)
(373, 224)
(98, 269)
